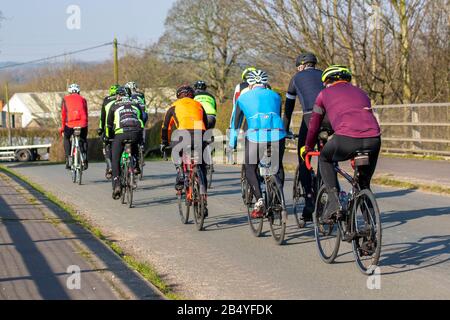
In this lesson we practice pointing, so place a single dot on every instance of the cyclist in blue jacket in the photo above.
(261, 108)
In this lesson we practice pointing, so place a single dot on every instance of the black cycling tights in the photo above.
(254, 152)
(342, 148)
(68, 132)
(118, 145)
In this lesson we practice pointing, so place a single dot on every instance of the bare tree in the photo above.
(209, 33)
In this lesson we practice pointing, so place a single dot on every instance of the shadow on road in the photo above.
(39, 268)
(398, 218)
(395, 193)
(409, 256)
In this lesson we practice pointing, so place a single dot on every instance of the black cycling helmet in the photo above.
(185, 91)
(123, 91)
(200, 85)
(305, 58)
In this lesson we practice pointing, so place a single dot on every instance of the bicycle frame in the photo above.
(190, 166)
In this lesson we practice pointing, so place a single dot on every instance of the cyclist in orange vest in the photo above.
(191, 121)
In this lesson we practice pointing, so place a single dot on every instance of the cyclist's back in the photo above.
(125, 123)
(74, 114)
(261, 108)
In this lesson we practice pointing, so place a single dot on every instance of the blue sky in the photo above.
(37, 28)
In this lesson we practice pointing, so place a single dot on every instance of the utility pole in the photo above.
(116, 62)
(8, 121)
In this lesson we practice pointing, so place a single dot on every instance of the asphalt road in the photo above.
(227, 262)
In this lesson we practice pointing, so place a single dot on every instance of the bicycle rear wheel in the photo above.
(123, 183)
(328, 236)
(141, 163)
(130, 183)
(277, 214)
(368, 235)
(79, 167)
(298, 200)
(198, 201)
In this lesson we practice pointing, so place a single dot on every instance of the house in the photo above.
(42, 109)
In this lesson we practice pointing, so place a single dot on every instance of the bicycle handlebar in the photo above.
(309, 155)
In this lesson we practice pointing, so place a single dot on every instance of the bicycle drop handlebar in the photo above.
(309, 155)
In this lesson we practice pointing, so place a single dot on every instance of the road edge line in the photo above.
(144, 269)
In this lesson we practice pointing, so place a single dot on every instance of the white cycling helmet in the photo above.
(132, 86)
(74, 88)
(257, 77)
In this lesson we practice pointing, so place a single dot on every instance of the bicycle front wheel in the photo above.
(277, 214)
(366, 222)
(198, 201)
(298, 200)
(328, 236)
(256, 224)
(130, 184)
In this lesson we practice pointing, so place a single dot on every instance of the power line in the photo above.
(160, 52)
(55, 57)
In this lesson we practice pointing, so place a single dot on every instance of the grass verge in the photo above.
(414, 156)
(144, 269)
(390, 182)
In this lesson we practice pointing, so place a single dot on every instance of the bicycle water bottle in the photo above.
(343, 199)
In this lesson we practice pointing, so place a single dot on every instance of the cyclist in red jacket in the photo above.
(74, 114)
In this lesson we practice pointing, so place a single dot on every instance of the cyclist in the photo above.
(124, 122)
(241, 88)
(208, 102)
(188, 116)
(102, 128)
(139, 98)
(261, 108)
(74, 114)
(306, 84)
(350, 112)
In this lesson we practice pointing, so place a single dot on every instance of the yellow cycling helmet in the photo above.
(246, 71)
(337, 72)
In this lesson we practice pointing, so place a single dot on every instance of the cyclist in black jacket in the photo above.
(306, 85)
(102, 128)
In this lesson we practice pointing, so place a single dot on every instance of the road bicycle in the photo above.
(77, 158)
(191, 195)
(275, 206)
(358, 222)
(127, 177)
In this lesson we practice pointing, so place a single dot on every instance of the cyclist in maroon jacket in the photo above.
(350, 112)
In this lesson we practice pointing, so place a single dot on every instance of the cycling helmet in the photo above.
(257, 77)
(200, 85)
(113, 90)
(74, 88)
(132, 86)
(305, 58)
(337, 72)
(246, 71)
(123, 91)
(185, 91)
